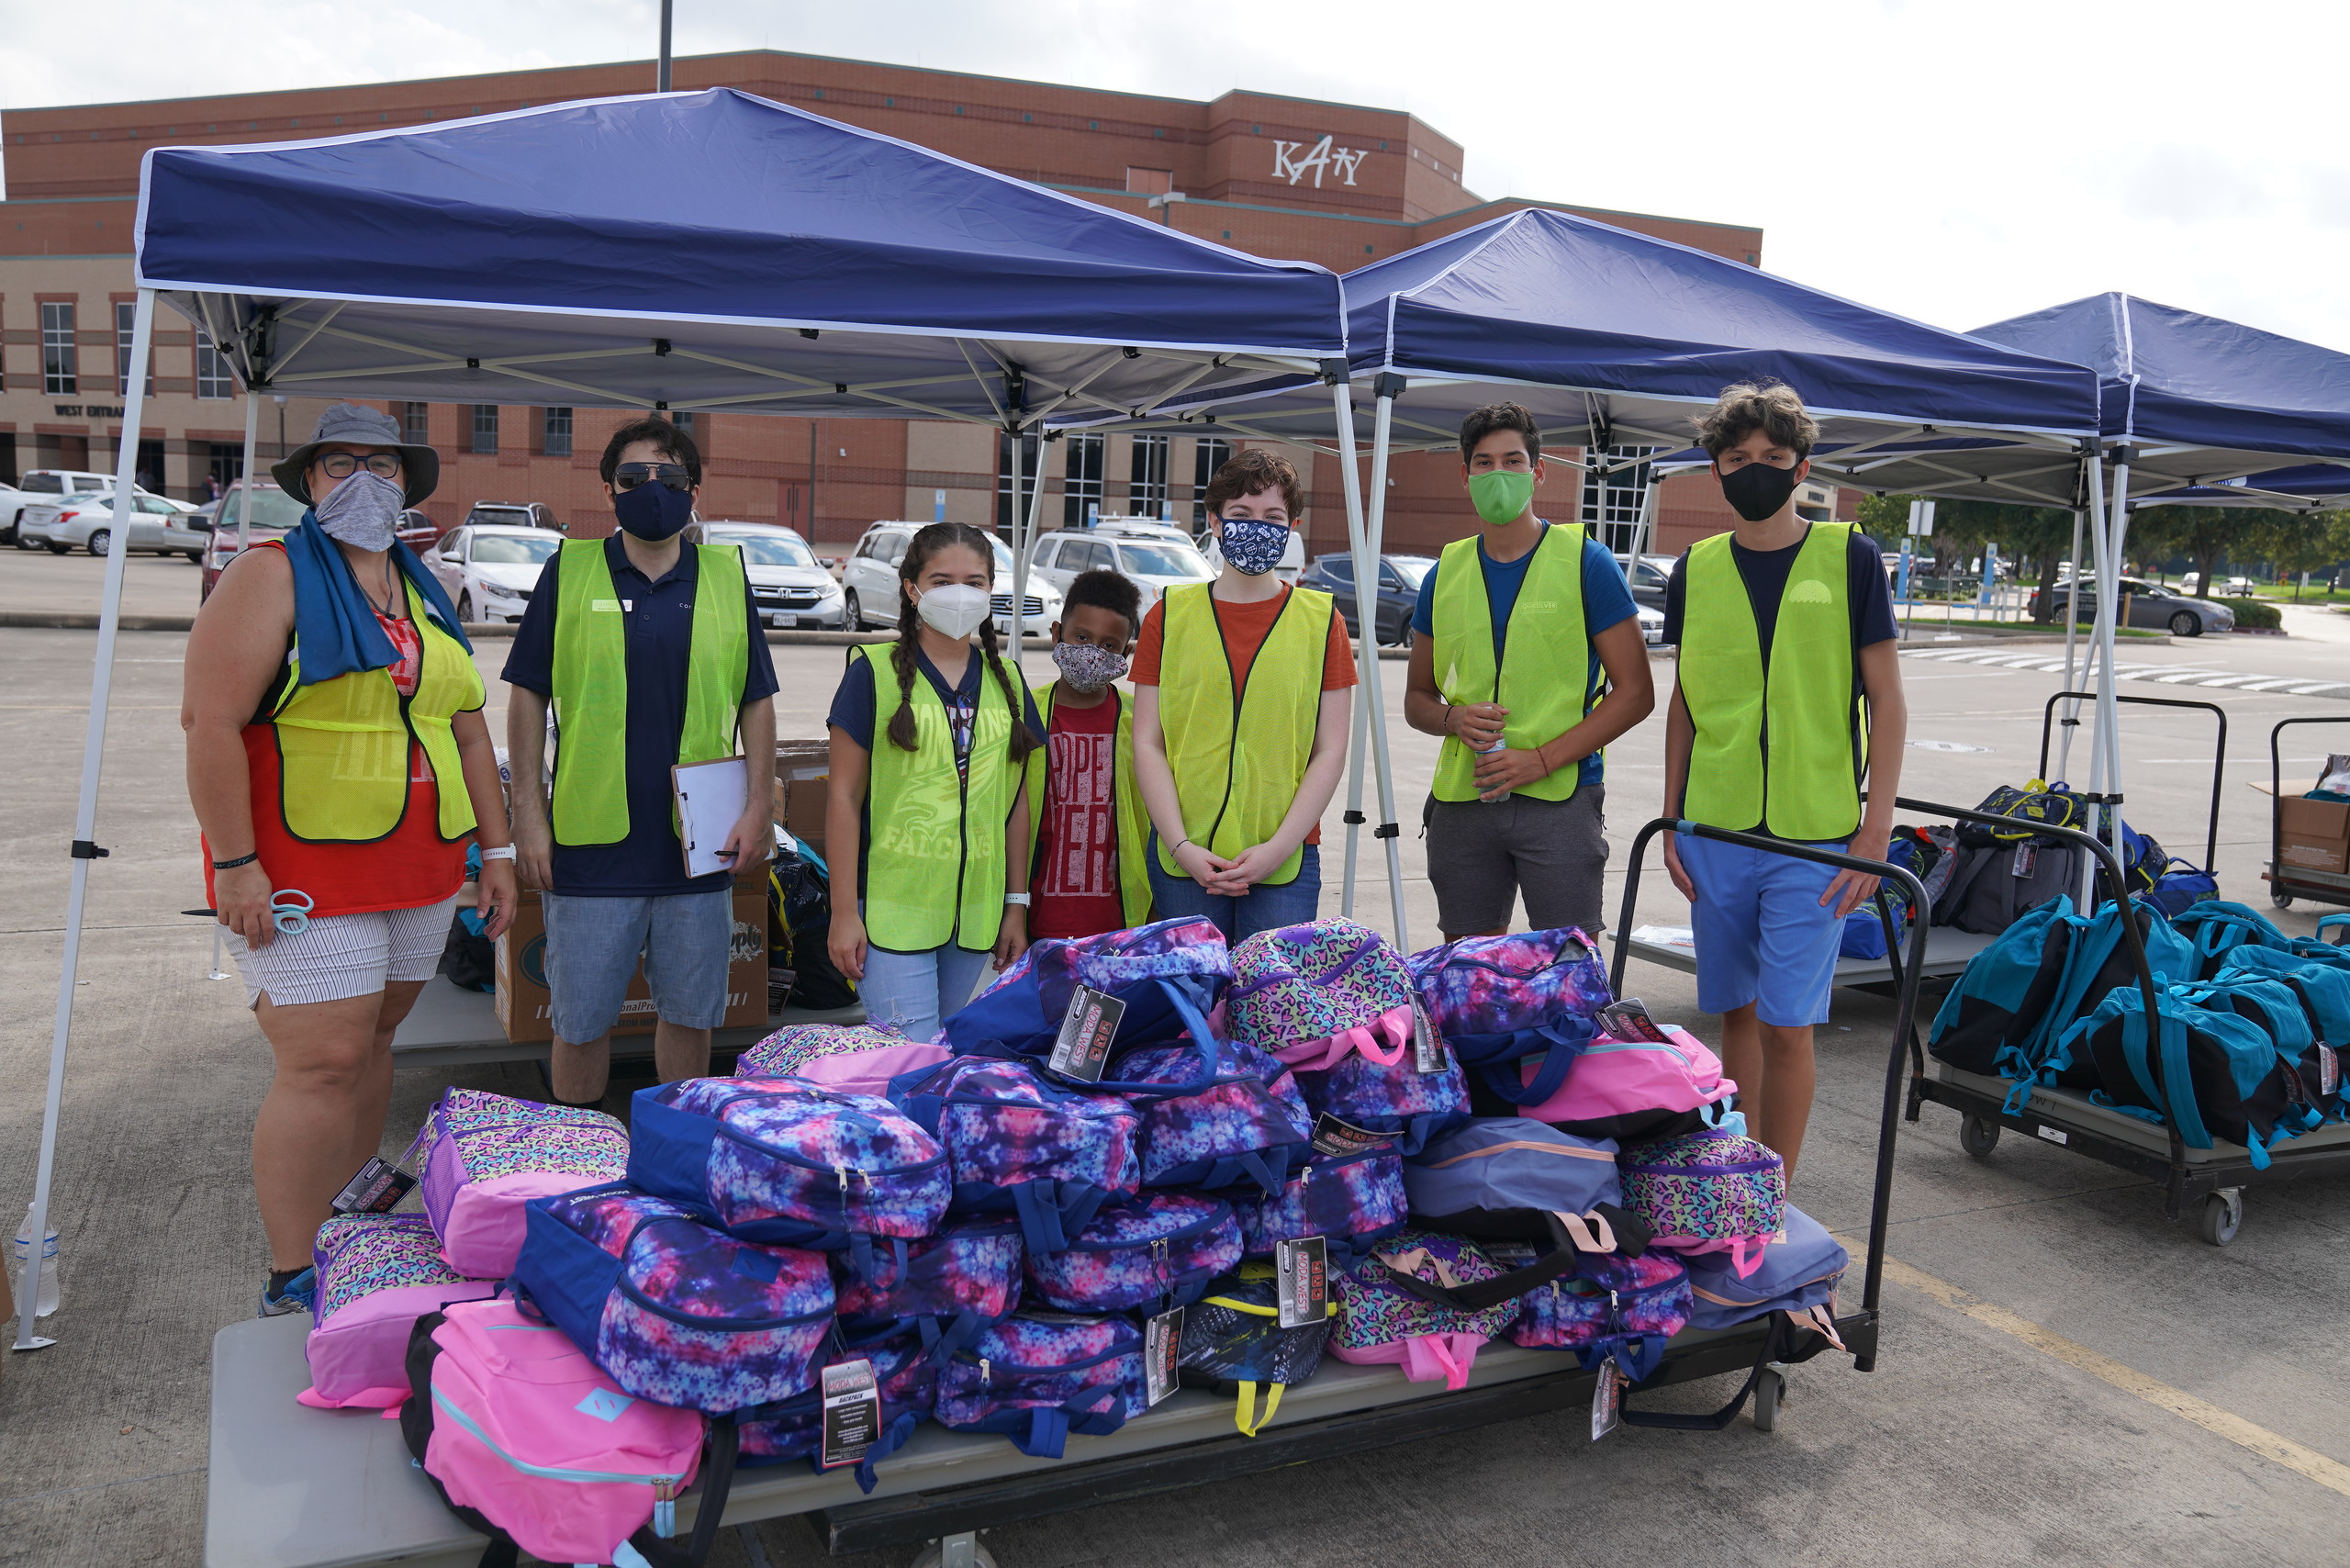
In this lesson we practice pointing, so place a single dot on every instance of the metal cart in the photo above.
(2287, 883)
(2049, 722)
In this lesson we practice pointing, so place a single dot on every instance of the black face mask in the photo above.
(1758, 490)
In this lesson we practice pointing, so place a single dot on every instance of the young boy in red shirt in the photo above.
(1089, 874)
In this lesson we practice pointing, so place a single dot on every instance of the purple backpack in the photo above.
(671, 1309)
(1250, 1125)
(1380, 1321)
(1714, 1190)
(1799, 1271)
(789, 1162)
(1039, 1376)
(860, 1058)
(484, 1156)
(908, 1380)
(1154, 1251)
(1016, 1142)
(1627, 1308)
(1506, 1176)
(1498, 999)
(377, 1275)
(1351, 1200)
(947, 1288)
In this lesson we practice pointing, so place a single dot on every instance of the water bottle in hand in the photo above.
(1501, 744)
(22, 1259)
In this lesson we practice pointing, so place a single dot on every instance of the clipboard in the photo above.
(711, 798)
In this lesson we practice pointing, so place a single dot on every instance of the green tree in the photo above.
(2296, 543)
(2203, 534)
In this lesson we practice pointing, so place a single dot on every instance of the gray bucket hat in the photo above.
(348, 422)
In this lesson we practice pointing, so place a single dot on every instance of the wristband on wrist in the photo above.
(503, 852)
(1020, 899)
(1177, 850)
(240, 860)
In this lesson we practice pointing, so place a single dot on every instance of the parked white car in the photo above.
(1153, 556)
(870, 582)
(85, 521)
(42, 484)
(489, 570)
(791, 587)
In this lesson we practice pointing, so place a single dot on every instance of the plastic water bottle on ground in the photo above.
(22, 1256)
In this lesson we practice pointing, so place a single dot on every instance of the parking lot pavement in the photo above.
(152, 585)
(2064, 1375)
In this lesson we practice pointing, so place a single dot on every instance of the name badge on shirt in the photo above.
(613, 605)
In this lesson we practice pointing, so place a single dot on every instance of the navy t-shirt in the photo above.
(1606, 601)
(658, 618)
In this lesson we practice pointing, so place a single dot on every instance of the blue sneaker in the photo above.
(295, 1295)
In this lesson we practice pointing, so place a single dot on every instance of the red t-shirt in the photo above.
(1076, 885)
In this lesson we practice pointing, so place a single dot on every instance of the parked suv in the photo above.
(1399, 591)
(512, 514)
(1153, 556)
(870, 582)
(275, 512)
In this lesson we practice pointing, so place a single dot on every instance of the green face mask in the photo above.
(1501, 495)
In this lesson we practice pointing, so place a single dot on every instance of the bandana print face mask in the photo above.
(1253, 546)
(1087, 667)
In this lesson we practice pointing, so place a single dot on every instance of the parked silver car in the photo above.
(1153, 556)
(791, 587)
(43, 483)
(87, 520)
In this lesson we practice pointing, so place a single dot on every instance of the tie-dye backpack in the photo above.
(787, 1161)
(1154, 1251)
(671, 1309)
(1234, 1335)
(946, 1289)
(906, 1377)
(1627, 1308)
(1250, 1126)
(377, 1275)
(1018, 1143)
(1380, 1321)
(484, 1156)
(1498, 999)
(1350, 1200)
(860, 1058)
(1039, 1376)
(1714, 1190)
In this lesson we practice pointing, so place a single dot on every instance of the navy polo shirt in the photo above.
(658, 616)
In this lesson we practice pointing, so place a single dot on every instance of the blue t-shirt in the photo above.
(658, 621)
(1606, 601)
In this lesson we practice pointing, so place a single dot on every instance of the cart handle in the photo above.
(2048, 721)
(1908, 968)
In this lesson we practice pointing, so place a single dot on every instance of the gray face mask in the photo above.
(363, 511)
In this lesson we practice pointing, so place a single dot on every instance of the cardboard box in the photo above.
(2314, 836)
(803, 771)
(525, 1010)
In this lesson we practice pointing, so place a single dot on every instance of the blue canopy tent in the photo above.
(681, 250)
(1615, 339)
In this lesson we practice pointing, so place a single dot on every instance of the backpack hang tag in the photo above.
(1607, 1399)
(1302, 1281)
(1082, 1048)
(1332, 1136)
(2329, 1069)
(1162, 1340)
(1629, 1020)
(1427, 1051)
(851, 1412)
(376, 1189)
(2027, 856)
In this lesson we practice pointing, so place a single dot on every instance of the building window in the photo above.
(1612, 501)
(1208, 455)
(211, 368)
(1081, 480)
(1009, 514)
(225, 462)
(688, 427)
(416, 423)
(484, 429)
(125, 320)
(1146, 477)
(60, 364)
(555, 438)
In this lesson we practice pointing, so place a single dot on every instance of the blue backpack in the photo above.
(2181, 887)
(2217, 926)
(1250, 1126)
(2100, 962)
(2213, 1074)
(2323, 988)
(1996, 1018)
(1501, 1178)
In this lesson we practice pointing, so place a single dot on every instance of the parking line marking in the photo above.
(2301, 1459)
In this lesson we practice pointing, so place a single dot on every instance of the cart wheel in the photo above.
(1978, 1136)
(2221, 1216)
(2280, 898)
(1768, 1388)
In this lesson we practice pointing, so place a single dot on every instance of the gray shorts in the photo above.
(593, 945)
(1482, 855)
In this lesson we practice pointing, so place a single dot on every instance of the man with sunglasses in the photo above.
(636, 646)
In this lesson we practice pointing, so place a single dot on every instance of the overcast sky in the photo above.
(1956, 162)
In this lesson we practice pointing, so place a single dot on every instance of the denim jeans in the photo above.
(913, 992)
(1265, 907)
(593, 943)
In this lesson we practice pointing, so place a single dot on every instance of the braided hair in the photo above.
(927, 543)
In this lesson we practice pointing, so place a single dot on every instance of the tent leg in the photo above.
(1024, 538)
(1383, 770)
(2072, 623)
(1369, 704)
(1355, 742)
(2109, 727)
(245, 495)
(85, 809)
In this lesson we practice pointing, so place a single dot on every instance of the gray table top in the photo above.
(1948, 952)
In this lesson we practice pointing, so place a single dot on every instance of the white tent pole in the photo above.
(1350, 486)
(1383, 429)
(85, 809)
(1024, 538)
(1644, 536)
(2086, 903)
(245, 493)
(2110, 728)
(1355, 744)
(2072, 623)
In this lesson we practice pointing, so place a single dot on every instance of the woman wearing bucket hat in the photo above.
(338, 763)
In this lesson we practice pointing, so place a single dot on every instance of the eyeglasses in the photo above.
(342, 464)
(629, 476)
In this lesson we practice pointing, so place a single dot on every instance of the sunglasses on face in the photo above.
(342, 464)
(629, 476)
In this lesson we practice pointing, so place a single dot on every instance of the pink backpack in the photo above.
(858, 1059)
(484, 1156)
(1632, 1090)
(532, 1446)
(377, 1275)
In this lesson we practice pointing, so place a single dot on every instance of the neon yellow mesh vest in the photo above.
(1238, 761)
(1777, 747)
(1134, 822)
(1544, 678)
(590, 803)
(935, 868)
(343, 745)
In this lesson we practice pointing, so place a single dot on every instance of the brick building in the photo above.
(1336, 184)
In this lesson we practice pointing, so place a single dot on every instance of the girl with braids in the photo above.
(930, 744)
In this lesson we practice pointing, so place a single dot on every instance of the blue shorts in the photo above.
(1762, 934)
(593, 945)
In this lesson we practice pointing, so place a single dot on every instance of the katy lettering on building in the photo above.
(1339, 162)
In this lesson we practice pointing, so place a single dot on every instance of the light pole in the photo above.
(661, 69)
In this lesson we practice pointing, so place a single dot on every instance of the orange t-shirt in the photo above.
(1245, 629)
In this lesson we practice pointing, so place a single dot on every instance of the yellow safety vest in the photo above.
(1134, 821)
(1779, 746)
(1238, 759)
(935, 866)
(1544, 678)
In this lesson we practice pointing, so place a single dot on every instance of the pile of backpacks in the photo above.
(1137, 1161)
(2249, 1022)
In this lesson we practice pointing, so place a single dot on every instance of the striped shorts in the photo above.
(342, 955)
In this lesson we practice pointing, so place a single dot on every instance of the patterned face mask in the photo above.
(1087, 667)
(1252, 545)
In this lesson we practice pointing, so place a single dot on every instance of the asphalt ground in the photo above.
(2063, 1374)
